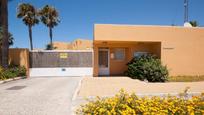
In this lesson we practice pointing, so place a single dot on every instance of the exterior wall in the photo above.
(61, 63)
(19, 57)
(181, 47)
(57, 71)
(118, 67)
(52, 59)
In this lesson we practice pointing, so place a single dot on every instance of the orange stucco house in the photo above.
(180, 48)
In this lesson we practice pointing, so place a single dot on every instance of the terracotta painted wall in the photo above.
(182, 48)
(19, 57)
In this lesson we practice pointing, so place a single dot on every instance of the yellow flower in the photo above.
(129, 104)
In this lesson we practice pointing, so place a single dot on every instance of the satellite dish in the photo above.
(187, 24)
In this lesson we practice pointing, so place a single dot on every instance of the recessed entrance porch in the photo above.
(110, 58)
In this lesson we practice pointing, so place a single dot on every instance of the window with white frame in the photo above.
(119, 54)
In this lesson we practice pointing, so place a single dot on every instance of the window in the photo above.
(139, 54)
(119, 54)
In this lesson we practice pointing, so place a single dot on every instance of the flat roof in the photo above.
(165, 26)
(124, 32)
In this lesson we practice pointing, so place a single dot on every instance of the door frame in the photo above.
(108, 68)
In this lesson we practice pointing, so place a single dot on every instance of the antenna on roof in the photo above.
(186, 23)
(185, 11)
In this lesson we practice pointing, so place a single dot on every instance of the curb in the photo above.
(11, 79)
(145, 94)
(77, 89)
(73, 108)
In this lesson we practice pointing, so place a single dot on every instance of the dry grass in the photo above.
(186, 78)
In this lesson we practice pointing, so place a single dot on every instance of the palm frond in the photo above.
(10, 36)
(49, 16)
(28, 14)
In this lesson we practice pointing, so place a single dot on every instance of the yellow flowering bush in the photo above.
(130, 104)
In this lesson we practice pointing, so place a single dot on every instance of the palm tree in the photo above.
(0, 14)
(50, 17)
(49, 47)
(28, 13)
(10, 38)
(194, 23)
(4, 25)
(0, 28)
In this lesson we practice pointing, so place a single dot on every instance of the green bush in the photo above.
(8, 73)
(21, 71)
(2, 77)
(147, 67)
(11, 72)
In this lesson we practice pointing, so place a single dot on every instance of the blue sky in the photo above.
(78, 17)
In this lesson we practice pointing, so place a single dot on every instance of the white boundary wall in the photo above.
(62, 71)
(72, 71)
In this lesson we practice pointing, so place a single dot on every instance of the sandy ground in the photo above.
(108, 86)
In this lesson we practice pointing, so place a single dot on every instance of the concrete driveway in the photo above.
(38, 96)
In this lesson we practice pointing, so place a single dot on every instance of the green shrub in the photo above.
(147, 67)
(11, 72)
(21, 71)
(130, 104)
(2, 77)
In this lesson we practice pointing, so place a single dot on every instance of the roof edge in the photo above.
(151, 26)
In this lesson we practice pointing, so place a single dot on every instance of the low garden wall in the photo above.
(20, 57)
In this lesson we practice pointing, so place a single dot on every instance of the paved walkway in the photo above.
(38, 96)
(109, 86)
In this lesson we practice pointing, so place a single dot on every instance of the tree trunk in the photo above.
(50, 31)
(0, 13)
(0, 26)
(5, 44)
(0, 55)
(30, 36)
